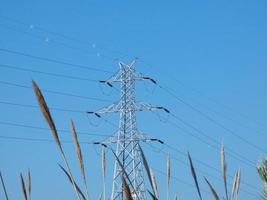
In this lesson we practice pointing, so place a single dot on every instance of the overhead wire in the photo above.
(228, 107)
(54, 61)
(53, 91)
(57, 42)
(23, 125)
(213, 120)
(47, 73)
(37, 107)
(231, 154)
(38, 139)
(207, 136)
(63, 36)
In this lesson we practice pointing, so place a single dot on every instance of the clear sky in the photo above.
(211, 55)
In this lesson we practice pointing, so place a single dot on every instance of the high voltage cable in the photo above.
(212, 120)
(47, 129)
(49, 40)
(37, 139)
(53, 60)
(208, 97)
(201, 171)
(54, 92)
(241, 159)
(231, 154)
(61, 35)
(37, 107)
(205, 135)
(47, 73)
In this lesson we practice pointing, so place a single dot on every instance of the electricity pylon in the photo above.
(128, 157)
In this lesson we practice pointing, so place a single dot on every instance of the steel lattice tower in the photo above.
(128, 137)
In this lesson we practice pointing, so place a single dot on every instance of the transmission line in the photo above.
(61, 35)
(37, 139)
(53, 91)
(53, 60)
(212, 120)
(47, 129)
(47, 73)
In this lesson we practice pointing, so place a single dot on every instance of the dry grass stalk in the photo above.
(3, 185)
(214, 193)
(100, 196)
(175, 197)
(145, 163)
(79, 156)
(224, 171)
(154, 183)
(126, 189)
(46, 113)
(50, 121)
(104, 170)
(234, 185)
(23, 187)
(238, 183)
(69, 178)
(168, 174)
(29, 185)
(103, 161)
(193, 172)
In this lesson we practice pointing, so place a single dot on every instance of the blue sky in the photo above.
(211, 55)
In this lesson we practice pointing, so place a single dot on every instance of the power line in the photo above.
(37, 139)
(54, 60)
(55, 42)
(231, 154)
(47, 73)
(212, 120)
(206, 136)
(61, 35)
(47, 129)
(37, 107)
(209, 98)
(54, 92)
(245, 161)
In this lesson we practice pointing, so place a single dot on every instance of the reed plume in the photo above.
(79, 156)
(50, 121)
(224, 170)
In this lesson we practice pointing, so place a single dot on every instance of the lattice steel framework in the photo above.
(128, 137)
